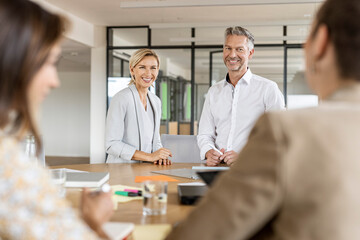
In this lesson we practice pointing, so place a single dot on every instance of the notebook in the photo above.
(209, 176)
(86, 179)
(190, 193)
(118, 230)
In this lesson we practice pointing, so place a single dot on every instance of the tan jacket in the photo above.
(297, 178)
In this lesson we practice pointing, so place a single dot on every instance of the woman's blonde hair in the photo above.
(138, 56)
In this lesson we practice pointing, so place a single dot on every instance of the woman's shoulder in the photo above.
(11, 155)
(123, 93)
(123, 96)
(8, 147)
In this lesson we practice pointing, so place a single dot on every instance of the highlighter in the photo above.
(133, 190)
(127, 194)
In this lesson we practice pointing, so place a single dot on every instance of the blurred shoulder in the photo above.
(9, 148)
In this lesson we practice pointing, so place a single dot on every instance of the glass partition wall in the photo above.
(191, 61)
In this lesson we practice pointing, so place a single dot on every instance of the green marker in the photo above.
(127, 194)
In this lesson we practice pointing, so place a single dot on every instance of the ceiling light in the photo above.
(302, 22)
(74, 54)
(257, 39)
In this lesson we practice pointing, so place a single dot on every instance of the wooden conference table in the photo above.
(124, 174)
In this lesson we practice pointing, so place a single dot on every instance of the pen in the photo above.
(127, 194)
(105, 188)
(216, 149)
(133, 190)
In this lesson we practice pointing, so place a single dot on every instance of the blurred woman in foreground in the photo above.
(30, 207)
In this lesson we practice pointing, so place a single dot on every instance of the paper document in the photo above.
(151, 231)
(118, 230)
(122, 199)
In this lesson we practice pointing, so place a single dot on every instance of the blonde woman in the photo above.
(133, 120)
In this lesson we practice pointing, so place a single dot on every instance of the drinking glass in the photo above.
(58, 177)
(30, 150)
(155, 197)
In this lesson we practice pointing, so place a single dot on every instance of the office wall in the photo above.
(65, 117)
(174, 70)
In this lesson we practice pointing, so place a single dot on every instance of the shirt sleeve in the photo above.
(30, 207)
(243, 199)
(114, 131)
(206, 135)
(274, 99)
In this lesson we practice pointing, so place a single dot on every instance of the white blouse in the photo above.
(29, 204)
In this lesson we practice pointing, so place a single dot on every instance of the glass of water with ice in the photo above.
(155, 197)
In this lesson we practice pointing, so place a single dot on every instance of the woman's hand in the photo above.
(161, 154)
(96, 209)
(163, 162)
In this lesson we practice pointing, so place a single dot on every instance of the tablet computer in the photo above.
(209, 176)
(190, 193)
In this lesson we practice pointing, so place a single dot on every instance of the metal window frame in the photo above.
(193, 48)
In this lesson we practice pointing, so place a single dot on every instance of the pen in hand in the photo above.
(217, 150)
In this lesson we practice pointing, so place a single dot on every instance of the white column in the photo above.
(98, 96)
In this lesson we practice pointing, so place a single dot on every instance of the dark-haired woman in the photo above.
(29, 205)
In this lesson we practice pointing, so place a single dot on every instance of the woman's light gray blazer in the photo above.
(124, 128)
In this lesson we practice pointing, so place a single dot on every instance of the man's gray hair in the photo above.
(240, 31)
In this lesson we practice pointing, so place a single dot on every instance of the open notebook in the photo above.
(118, 230)
(86, 179)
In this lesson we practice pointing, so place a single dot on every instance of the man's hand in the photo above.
(229, 157)
(212, 157)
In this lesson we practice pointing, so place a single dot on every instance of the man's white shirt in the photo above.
(229, 112)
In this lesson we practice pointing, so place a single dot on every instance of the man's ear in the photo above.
(251, 53)
(321, 41)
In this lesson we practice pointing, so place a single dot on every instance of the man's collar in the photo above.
(247, 77)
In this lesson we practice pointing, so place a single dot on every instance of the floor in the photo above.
(55, 161)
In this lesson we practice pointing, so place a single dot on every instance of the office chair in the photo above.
(184, 148)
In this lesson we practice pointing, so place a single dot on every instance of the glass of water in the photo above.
(58, 177)
(155, 197)
(31, 151)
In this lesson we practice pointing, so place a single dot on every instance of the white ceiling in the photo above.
(210, 23)
(109, 13)
(75, 57)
